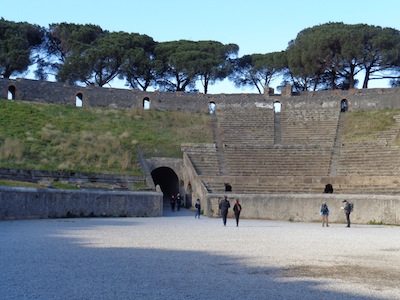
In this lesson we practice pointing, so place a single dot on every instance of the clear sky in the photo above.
(256, 26)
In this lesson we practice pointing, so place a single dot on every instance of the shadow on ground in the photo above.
(38, 263)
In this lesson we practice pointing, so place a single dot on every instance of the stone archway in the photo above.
(146, 103)
(277, 107)
(344, 105)
(11, 92)
(168, 181)
(79, 100)
(211, 107)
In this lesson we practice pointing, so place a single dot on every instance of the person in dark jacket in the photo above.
(198, 208)
(347, 210)
(173, 202)
(237, 208)
(224, 205)
(178, 201)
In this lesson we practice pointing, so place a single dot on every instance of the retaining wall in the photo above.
(305, 207)
(30, 203)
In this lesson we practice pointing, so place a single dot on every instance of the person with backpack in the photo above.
(348, 208)
(324, 212)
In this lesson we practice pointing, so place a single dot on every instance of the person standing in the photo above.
(324, 212)
(237, 208)
(198, 208)
(178, 201)
(173, 201)
(224, 206)
(348, 208)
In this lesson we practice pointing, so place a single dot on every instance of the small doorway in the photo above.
(344, 105)
(79, 100)
(277, 107)
(11, 93)
(211, 108)
(146, 103)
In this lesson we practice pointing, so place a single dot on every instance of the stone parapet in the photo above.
(30, 203)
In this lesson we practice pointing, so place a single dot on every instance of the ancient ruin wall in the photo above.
(30, 203)
(55, 92)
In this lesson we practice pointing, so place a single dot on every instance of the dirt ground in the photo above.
(180, 257)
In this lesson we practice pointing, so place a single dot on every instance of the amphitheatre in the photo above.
(275, 152)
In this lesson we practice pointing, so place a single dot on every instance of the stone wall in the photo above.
(47, 177)
(55, 92)
(29, 203)
(374, 209)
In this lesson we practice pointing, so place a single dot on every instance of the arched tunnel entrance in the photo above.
(168, 181)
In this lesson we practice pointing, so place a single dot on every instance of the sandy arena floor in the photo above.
(180, 257)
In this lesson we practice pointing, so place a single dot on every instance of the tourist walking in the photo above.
(224, 206)
(324, 212)
(237, 208)
(348, 208)
(198, 208)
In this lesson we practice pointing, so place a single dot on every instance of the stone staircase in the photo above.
(337, 145)
(218, 146)
(204, 158)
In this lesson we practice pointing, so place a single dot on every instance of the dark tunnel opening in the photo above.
(168, 181)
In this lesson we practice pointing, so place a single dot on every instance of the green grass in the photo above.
(52, 137)
(13, 183)
(63, 186)
(366, 125)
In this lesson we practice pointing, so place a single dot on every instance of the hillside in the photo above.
(53, 137)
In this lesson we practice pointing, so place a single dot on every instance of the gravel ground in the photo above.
(180, 257)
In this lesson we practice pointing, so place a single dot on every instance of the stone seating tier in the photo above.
(307, 146)
(246, 125)
(300, 184)
(309, 127)
(369, 160)
(278, 161)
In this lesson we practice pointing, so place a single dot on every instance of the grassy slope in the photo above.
(366, 125)
(92, 140)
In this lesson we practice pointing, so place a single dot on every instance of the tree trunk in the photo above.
(366, 78)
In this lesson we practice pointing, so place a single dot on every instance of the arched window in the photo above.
(344, 105)
(277, 107)
(146, 103)
(11, 93)
(211, 107)
(79, 100)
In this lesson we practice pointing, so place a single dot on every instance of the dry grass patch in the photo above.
(11, 149)
(366, 125)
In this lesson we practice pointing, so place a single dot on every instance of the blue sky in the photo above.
(256, 26)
